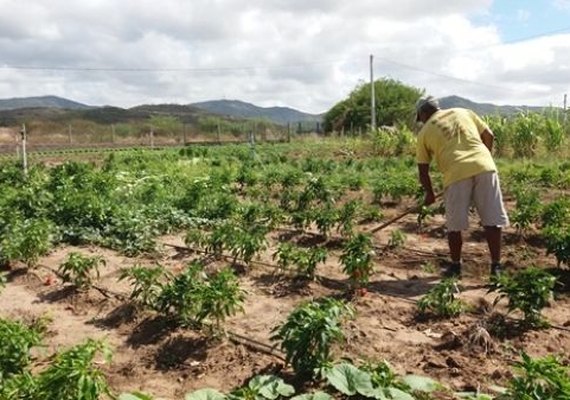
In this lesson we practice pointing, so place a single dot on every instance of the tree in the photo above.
(395, 103)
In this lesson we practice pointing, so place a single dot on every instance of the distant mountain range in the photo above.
(484, 108)
(241, 109)
(53, 105)
(41, 102)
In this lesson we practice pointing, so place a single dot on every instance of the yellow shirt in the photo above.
(453, 138)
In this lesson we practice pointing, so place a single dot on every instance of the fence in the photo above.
(97, 137)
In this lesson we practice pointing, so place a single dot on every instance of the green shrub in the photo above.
(527, 291)
(309, 332)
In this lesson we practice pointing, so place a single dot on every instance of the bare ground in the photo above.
(153, 355)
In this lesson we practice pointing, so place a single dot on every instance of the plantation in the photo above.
(255, 273)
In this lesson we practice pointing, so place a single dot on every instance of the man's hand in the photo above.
(429, 198)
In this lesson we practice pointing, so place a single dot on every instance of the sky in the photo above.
(305, 54)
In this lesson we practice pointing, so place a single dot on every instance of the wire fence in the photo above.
(71, 137)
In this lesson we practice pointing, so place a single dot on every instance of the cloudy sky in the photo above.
(306, 54)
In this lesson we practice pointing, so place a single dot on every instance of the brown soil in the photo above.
(153, 355)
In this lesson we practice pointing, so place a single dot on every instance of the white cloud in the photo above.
(523, 15)
(562, 4)
(305, 54)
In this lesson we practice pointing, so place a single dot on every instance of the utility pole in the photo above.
(24, 155)
(372, 95)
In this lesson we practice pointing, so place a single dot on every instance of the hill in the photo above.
(484, 108)
(241, 109)
(41, 102)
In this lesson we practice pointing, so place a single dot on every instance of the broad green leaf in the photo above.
(349, 380)
(205, 394)
(421, 383)
(135, 396)
(313, 396)
(473, 396)
(271, 387)
(398, 394)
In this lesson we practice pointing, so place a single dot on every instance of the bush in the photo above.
(16, 340)
(309, 332)
(80, 270)
(528, 291)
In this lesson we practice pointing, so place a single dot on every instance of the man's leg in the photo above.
(493, 236)
(455, 241)
(457, 201)
(489, 203)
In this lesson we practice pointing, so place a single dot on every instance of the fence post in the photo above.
(184, 127)
(24, 155)
(69, 133)
(112, 133)
(219, 133)
(152, 137)
(288, 132)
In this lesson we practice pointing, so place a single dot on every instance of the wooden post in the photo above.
(184, 134)
(24, 154)
(219, 132)
(372, 95)
(152, 137)
(112, 133)
(288, 132)
(69, 133)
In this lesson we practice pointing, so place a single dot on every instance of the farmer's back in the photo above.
(453, 138)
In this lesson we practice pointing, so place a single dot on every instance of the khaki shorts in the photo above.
(484, 191)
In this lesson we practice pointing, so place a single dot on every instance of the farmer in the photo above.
(461, 144)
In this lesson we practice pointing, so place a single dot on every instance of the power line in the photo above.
(185, 69)
(251, 67)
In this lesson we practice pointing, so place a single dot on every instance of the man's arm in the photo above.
(425, 180)
(488, 138)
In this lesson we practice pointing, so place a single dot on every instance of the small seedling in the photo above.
(79, 270)
(440, 300)
(397, 239)
(356, 260)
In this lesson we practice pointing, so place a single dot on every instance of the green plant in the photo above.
(528, 291)
(538, 379)
(79, 269)
(305, 260)
(397, 239)
(193, 296)
(25, 240)
(146, 283)
(3, 281)
(526, 135)
(261, 387)
(346, 217)
(558, 243)
(73, 375)
(377, 382)
(528, 209)
(221, 297)
(17, 339)
(553, 134)
(309, 332)
(246, 243)
(440, 300)
(356, 259)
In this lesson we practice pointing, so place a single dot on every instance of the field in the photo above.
(187, 263)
